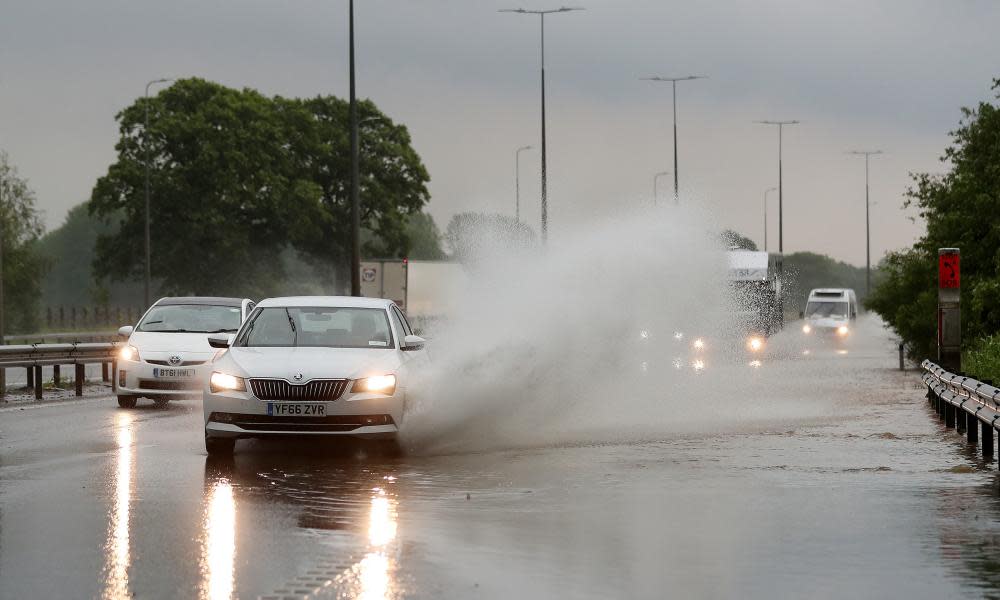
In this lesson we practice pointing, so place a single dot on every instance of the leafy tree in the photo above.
(424, 237)
(237, 177)
(392, 178)
(472, 235)
(23, 265)
(69, 249)
(962, 209)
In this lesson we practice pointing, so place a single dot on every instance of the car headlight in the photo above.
(380, 384)
(699, 343)
(806, 329)
(221, 382)
(755, 344)
(129, 353)
(842, 330)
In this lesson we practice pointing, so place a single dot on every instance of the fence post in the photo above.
(104, 372)
(902, 361)
(39, 383)
(55, 375)
(987, 439)
(30, 377)
(949, 336)
(3, 382)
(81, 374)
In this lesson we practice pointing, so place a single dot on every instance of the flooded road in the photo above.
(862, 493)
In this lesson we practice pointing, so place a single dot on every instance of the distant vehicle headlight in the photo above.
(678, 335)
(381, 384)
(806, 329)
(221, 382)
(129, 353)
(699, 343)
(755, 344)
(842, 330)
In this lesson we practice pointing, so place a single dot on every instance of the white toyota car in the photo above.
(167, 354)
(312, 366)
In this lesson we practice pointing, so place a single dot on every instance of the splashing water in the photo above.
(578, 343)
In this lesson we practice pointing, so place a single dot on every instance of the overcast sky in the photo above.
(858, 74)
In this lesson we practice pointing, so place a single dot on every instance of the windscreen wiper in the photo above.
(295, 332)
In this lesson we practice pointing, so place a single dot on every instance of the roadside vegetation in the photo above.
(23, 264)
(961, 208)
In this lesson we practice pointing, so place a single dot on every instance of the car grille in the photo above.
(316, 390)
(167, 363)
(155, 384)
(331, 424)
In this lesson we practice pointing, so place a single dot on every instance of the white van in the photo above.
(830, 311)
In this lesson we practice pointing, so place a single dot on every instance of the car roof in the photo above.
(206, 300)
(326, 301)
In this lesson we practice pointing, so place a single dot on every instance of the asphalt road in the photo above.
(868, 496)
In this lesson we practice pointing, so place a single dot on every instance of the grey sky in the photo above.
(858, 74)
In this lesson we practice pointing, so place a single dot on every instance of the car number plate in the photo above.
(295, 409)
(173, 373)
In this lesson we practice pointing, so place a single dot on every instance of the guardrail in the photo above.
(33, 357)
(965, 403)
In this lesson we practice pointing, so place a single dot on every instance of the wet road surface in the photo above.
(869, 497)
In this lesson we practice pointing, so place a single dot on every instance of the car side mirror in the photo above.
(221, 340)
(413, 342)
(125, 331)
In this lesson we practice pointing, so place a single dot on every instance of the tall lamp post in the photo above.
(146, 152)
(868, 235)
(517, 181)
(766, 192)
(673, 81)
(781, 223)
(541, 14)
(355, 193)
(655, 179)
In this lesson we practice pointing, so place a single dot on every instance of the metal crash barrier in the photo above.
(33, 357)
(967, 404)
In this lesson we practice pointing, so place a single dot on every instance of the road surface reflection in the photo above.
(117, 550)
(352, 504)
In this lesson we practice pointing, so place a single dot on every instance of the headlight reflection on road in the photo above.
(372, 577)
(219, 546)
(117, 549)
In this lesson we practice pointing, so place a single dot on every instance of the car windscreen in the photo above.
(191, 318)
(824, 310)
(322, 327)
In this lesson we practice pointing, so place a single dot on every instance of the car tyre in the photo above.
(219, 447)
(127, 401)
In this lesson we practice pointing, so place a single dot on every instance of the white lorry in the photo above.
(424, 289)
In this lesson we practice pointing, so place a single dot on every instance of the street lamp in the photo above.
(517, 181)
(541, 14)
(766, 192)
(673, 81)
(146, 149)
(781, 232)
(655, 179)
(355, 194)
(868, 235)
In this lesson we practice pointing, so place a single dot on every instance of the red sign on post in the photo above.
(949, 274)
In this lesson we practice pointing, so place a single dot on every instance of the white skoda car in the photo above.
(167, 354)
(312, 366)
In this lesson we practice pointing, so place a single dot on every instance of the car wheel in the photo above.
(161, 402)
(127, 401)
(219, 446)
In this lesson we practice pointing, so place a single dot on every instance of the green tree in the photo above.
(961, 209)
(424, 237)
(237, 178)
(23, 265)
(392, 179)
